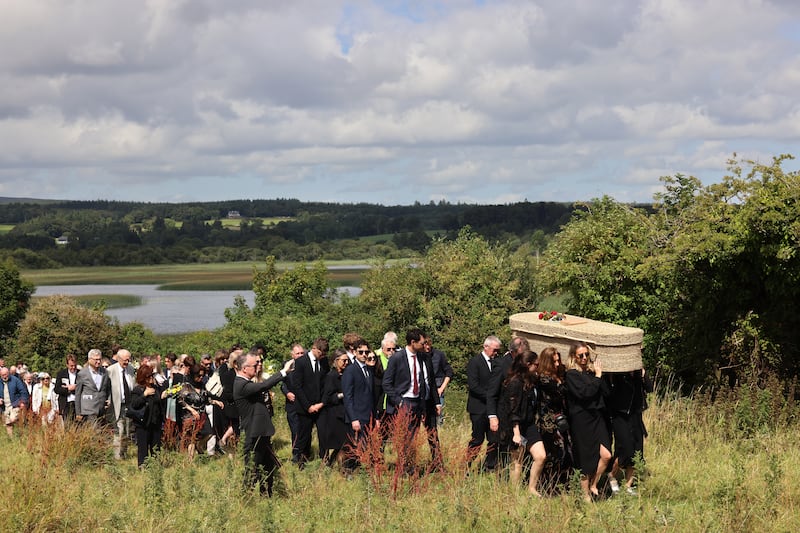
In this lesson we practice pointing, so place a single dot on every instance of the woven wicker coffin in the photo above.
(619, 348)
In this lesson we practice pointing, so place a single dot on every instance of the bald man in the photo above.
(122, 382)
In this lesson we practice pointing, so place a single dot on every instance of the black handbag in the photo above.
(137, 415)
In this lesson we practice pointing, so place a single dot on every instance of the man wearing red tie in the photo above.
(410, 384)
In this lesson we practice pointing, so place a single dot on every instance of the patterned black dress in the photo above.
(553, 426)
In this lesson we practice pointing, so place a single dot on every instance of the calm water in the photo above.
(166, 311)
(162, 311)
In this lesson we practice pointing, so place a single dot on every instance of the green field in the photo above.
(5, 228)
(214, 276)
(234, 223)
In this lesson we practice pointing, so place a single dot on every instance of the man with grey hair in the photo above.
(256, 422)
(517, 347)
(122, 381)
(13, 398)
(92, 390)
(480, 372)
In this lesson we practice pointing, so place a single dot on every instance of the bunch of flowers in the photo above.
(552, 316)
(174, 390)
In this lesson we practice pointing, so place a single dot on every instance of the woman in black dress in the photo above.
(148, 395)
(552, 420)
(334, 425)
(516, 416)
(585, 398)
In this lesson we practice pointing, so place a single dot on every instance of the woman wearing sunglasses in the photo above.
(585, 398)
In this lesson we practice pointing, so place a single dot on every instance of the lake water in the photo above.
(166, 311)
(162, 311)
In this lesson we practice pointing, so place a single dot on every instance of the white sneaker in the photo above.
(632, 491)
(614, 485)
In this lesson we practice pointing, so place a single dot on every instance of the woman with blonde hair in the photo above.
(44, 401)
(585, 399)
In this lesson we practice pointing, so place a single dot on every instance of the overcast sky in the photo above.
(389, 101)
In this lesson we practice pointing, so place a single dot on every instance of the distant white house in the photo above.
(234, 214)
(62, 240)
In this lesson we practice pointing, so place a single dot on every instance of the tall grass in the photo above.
(717, 461)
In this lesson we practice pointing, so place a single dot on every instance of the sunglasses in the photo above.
(363, 352)
(371, 358)
(582, 355)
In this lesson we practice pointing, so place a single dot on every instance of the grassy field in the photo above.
(5, 228)
(234, 223)
(705, 472)
(216, 276)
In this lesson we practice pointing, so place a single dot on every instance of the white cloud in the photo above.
(325, 99)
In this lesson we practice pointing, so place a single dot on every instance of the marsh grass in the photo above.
(714, 462)
(108, 301)
(207, 276)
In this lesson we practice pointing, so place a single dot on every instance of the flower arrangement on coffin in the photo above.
(552, 316)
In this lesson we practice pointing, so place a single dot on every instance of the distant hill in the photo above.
(10, 200)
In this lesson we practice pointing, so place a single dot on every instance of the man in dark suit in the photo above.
(256, 422)
(360, 410)
(65, 389)
(443, 372)
(517, 347)
(480, 371)
(307, 382)
(291, 400)
(410, 384)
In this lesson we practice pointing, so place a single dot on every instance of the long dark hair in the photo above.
(520, 369)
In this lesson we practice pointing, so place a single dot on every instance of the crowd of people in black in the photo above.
(541, 417)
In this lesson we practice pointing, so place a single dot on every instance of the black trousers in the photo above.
(148, 440)
(69, 414)
(422, 414)
(260, 464)
(481, 432)
(301, 447)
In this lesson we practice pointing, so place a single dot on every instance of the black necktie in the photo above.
(125, 387)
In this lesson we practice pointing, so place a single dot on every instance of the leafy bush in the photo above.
(56, 326)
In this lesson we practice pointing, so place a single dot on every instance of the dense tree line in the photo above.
(120, 233)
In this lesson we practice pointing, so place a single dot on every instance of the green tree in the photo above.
(295, 305)
(15, 295)
(56, 326)
(595, 261)
(460, 291)
(711, 275)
